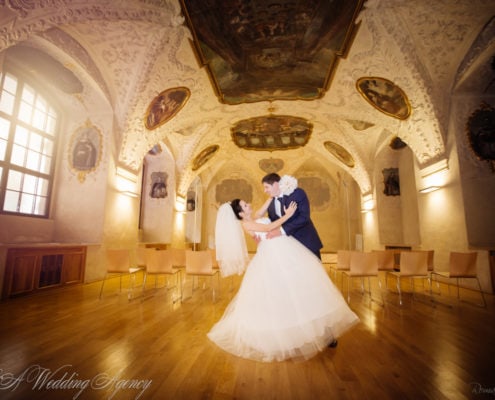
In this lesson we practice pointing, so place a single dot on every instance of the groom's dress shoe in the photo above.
(333, 344)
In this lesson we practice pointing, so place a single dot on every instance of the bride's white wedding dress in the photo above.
(286, 306)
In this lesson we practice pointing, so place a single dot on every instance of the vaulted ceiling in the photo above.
(125, 54)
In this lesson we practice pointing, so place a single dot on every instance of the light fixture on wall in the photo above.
(367, 203)
(434, 176)
(429, 189)
(129, 193)
(180, 204)
(126, 182)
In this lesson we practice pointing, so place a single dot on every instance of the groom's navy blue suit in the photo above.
(299, 225)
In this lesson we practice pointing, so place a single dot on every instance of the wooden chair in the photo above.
(141, 257)
(413, 264)
(343, 263)
(178, 257)
(462, 265)
(386, 261)
(363, 265)
(330, 260)
(118, 263)
(160, 262)
(199, 264)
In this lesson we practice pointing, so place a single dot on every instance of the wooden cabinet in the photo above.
(30, 269)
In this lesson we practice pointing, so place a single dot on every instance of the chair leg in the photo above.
(381, 291)
(398, 289)
(481, 292)
(102, 283)
(348, 286)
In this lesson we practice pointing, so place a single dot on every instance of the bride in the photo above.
(286, 307)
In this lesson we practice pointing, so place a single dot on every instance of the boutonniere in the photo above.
(287, 185)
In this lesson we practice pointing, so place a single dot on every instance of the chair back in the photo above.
(199, 262)
(159, 262)
(430, 253)
(463, 265)
(385, 259)
(329, 258)
(118, 260)
(214, 260)
(343, 260)
(363, 264)
(179, 257)
(414, 263)
(141, 257)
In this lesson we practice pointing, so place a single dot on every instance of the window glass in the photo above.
(27, 147)
(40, 206)
(42, 188)
(35, 141)
(11, 201)
(18, 155)
(29, 184)
(33, 160)
(25, 112)
(45, 165)
(27, 203)
(50, 124)
(14, 180)
(39, 119)
(4, 128)
(21, 136)
(7, 103)
(3, 149)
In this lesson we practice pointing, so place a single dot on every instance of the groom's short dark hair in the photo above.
(271, 178)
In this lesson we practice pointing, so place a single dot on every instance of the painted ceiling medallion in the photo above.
(204, 156)
(340, 153)
(165, 106)
(259, 50)
(270, 165)
(360, 125)
(385, 96)
(271, 132)
(481, 133)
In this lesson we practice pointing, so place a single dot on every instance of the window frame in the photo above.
(23, 77)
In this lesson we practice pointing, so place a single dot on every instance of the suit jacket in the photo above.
(299, 225)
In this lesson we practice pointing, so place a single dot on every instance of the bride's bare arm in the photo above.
(262, 210)
(257, 227)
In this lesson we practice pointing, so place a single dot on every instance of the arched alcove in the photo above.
(157, 196)
(396, 197)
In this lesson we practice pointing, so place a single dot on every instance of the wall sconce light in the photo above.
(126, 182)
(180, 204)
(368, 203)
(429, 189)
(129, 193)
(435, 176)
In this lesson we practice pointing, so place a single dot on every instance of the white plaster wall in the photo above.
(158, 213)
(442, 220)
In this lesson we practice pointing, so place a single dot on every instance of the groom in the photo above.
(299, 225)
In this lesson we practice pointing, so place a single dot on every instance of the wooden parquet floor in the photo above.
(69, 344)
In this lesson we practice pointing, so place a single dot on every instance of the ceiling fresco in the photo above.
(244, 60)
(257, 50)
(271, 132)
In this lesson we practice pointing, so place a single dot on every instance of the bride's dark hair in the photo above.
(236, 206)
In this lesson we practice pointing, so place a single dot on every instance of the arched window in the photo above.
(28, 124)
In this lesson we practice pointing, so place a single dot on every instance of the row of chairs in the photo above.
(156, 262)
(410, 264)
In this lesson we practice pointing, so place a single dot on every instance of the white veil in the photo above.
(230, 242)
